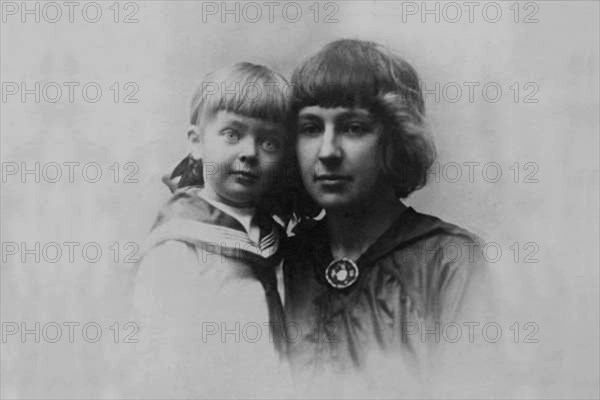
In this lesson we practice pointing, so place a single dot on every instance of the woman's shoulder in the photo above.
(420, 244)
(433, 262)
(431, 226)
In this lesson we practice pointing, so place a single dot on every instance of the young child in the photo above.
(206, 288)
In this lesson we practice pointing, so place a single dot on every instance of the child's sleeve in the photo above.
(182, 302)
(167, 288)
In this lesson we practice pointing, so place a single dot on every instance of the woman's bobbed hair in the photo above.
(356, 73)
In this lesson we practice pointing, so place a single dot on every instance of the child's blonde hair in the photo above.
(253, 91)
(244, 88)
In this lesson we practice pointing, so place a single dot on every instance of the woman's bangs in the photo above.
(333, 84)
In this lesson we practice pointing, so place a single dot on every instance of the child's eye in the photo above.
(230, 135)
(270, 145)
(309, 129)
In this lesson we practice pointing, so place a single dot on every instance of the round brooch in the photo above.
(341, 273)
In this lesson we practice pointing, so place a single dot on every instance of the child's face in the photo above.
(240, 156)
(339, 155)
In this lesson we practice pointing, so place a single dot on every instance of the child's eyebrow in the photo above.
(236, 124)
(269, 131)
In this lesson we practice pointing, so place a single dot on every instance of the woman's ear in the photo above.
(196, 141)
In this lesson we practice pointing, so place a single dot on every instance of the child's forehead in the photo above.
(241, 121)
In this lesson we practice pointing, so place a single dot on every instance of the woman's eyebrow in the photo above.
(308, 116)
(363, 116)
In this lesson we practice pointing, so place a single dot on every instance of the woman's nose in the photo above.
(330, 149)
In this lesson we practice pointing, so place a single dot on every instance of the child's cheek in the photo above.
(274, 165)
(271, 169)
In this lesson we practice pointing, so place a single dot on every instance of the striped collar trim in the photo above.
(212, 238)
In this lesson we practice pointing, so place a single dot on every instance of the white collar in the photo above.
(244, 215)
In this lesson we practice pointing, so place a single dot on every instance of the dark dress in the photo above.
(422, 270)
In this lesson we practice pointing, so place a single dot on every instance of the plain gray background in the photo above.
(166, 55)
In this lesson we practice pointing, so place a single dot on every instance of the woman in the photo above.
(365, 281)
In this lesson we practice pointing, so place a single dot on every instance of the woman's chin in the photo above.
(333, 203)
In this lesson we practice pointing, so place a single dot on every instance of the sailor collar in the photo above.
(409, 226)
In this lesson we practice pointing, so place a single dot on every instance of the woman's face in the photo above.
(339, 155)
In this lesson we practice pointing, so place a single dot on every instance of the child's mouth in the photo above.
(245, 176)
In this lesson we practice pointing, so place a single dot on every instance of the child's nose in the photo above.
(248, 150)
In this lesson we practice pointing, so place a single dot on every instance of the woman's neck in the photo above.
(352, 231)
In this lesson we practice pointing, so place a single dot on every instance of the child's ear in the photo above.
(196, 140)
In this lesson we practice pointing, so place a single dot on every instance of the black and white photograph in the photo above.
(355, 199)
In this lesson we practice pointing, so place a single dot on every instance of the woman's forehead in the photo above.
(333, 112)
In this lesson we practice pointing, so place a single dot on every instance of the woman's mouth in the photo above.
(332, 178)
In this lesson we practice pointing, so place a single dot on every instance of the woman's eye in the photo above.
(309, 129)
(270, 145)
(356, 129)
(231, 136)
